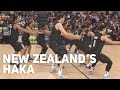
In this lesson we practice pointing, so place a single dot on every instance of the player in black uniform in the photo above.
(41, 40)
(85, 41)
(16, 28)
(42, 25)
(98, 42)
(86, 37)
(56, 43)
(25, 38)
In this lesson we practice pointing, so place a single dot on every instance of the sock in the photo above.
(60, 71)
(53, 66)
(106, 74)
(91, 69)
(88, 65)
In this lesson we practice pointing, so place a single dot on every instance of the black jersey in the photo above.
(41, 37)
(25, 35)
(55, 36)
(14, 34)
(14, 40)
(97, 43)
(85, 39)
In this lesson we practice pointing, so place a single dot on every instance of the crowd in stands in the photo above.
(74, 20)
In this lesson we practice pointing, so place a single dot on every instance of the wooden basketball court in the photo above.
(73, 71)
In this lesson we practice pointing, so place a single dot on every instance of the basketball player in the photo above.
(10, 21)
(16, 28)
(56, 41)
(41, 40)
(86, 38)
(98, 42)
(25, 38)
(42, 25)
(65, 40)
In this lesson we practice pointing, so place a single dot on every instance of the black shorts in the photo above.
(85, 48)
(58, 49)
(102, 58)
(41, 39)
(42, 44)
(26, 42)
(16, 45)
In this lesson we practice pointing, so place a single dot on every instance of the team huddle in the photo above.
(87, 41)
